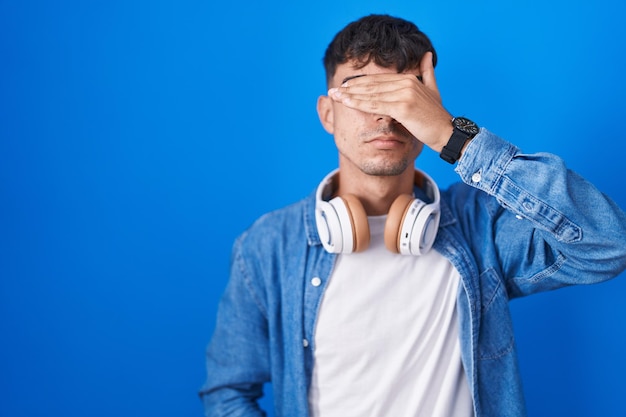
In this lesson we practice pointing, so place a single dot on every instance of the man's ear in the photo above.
(325, 113)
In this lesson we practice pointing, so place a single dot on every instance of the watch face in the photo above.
(466, 125)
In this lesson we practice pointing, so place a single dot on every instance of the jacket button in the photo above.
(316, 282)
(476, 177)
(305, 343)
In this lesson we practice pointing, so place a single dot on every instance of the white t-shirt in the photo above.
(386, 337)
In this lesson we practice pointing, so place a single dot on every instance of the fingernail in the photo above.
(334, 92)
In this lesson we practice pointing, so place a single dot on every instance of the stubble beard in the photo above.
(386, 168)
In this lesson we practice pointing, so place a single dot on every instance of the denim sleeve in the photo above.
(552, 227)
(237, 356)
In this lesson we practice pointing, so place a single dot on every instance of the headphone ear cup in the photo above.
(329, 226)
(395, 218)
(424, 231)
(358, 218)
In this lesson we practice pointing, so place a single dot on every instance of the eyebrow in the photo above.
(345, 80)
(352, 77)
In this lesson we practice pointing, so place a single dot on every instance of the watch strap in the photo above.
(452, 151)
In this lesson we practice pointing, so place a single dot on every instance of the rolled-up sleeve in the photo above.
(555, 228)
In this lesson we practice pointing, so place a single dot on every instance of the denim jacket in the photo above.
(517, 224)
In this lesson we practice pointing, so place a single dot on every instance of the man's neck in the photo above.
(376, 193)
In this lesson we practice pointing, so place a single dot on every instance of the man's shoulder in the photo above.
(283, 215)
(282, 224)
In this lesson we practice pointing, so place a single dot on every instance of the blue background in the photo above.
(138, 138)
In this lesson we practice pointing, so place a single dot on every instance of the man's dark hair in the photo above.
(387, 41)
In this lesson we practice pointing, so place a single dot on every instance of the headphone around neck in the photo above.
(410, 228)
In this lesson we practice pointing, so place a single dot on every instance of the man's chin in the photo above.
(385, 170)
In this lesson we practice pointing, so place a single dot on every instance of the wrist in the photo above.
(444, 133)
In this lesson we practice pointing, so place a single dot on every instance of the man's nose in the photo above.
(381, 118)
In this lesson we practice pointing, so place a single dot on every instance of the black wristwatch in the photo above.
(464, 130)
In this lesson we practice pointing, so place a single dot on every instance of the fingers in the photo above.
(428, 73)
(379, 83)
(381, 99)
(377, 89)
(377, 86)
(369, 103)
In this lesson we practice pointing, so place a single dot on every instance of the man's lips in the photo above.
(386, 142)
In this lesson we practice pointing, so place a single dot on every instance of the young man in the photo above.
(379, 295)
